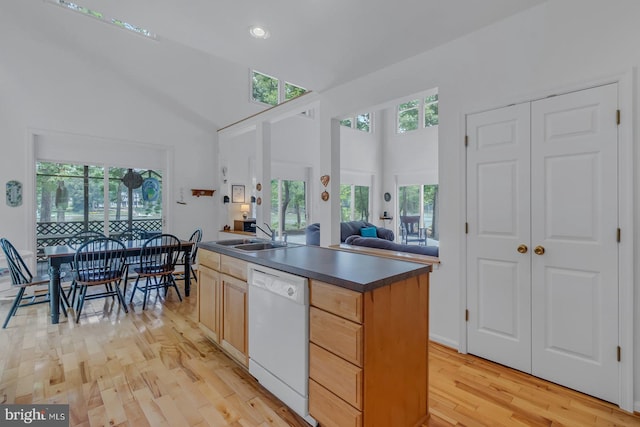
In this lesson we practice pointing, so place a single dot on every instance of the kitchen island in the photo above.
(368, 327)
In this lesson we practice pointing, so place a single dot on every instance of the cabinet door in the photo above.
(234, 318)
(209, 302)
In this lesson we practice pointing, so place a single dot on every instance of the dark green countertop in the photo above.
(354, 271)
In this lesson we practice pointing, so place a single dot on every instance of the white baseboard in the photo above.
(636, 406)
(444, 341)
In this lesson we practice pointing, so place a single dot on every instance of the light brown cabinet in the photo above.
(368, 354)
(222, 302)
(234, 318)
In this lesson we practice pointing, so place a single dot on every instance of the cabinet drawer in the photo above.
(233, 267)
(334, 299)
(340, 336)
(336, 374)
(329, 410)
(209, 259)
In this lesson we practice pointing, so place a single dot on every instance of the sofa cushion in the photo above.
(373, 242)
(369, 232)
(347, 228)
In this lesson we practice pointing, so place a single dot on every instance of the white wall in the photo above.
(561, 45)
(45, 89)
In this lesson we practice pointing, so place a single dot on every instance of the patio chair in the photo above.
(22, 278)
(99, 262)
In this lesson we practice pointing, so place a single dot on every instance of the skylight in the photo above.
(99, 15)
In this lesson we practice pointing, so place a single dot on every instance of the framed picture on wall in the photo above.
(237, 193)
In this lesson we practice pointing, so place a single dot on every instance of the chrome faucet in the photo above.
(269, 233)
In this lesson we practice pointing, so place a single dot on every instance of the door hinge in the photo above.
(617, 116)
(466, 140)
(619, 235)
(619, 353)
(466, 316)
(466, 228)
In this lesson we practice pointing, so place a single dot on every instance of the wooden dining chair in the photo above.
(22, 279)
(196, 237)
(75, 242)
(156, 265)
(98, 262)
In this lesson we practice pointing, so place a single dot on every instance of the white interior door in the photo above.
(544, 175)
(574, 193)
(498, 216)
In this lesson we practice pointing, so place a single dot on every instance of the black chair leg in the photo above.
(81, 295)
(14, 307)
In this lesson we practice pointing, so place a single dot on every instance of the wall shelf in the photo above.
(199, 192)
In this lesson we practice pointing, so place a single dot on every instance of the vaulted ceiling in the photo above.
(202, 53)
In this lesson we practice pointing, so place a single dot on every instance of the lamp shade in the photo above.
(244, 208)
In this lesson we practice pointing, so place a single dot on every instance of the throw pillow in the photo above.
(368, 232)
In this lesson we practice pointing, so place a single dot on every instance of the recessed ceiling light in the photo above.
(259, 32)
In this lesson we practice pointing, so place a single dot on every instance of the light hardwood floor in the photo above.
(155, 368)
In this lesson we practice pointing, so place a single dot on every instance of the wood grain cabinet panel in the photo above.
(330, 410)
(209, 302)
(234, 318)
(209, 259)
(222, 303)
(337, 335)
(336, 374)
(339, 301)
(379, 366)
(233, 267)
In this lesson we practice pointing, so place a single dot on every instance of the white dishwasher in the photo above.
(279, 335)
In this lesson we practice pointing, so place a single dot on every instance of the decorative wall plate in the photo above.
(325, 195)
(258, 186)
(14, 193)
(150, 190)
(259, 201)
(387, 197)
(324, 179)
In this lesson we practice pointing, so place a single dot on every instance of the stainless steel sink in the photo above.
(261, 246)
(235, 242)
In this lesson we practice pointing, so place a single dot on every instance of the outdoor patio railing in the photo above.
(57, 233)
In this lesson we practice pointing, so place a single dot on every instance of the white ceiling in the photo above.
(317, 44)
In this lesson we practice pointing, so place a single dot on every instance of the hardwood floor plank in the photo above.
(155, 368)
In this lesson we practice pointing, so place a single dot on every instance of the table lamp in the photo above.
(245, 210)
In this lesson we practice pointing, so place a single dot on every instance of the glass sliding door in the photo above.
(418, 213)
(354, 202)
(289, 208)
(72, 198)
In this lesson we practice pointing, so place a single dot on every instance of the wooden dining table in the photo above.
(64, 254)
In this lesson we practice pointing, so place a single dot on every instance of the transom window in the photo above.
(361, 122)
(412, 115)
(270, 90)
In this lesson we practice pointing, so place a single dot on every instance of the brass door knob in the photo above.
(523, 249)
(539, 250)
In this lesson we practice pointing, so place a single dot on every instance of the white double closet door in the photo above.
(542, 246)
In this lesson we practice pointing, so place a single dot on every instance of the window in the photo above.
(431, 111)
(347, 122)
(362, 122)
(264, 88)
(272, 91)
(422, 201)
(408, 116)
(354, 202)
(99, 15)
(411, 114)
(289, 208)
(71, 198)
